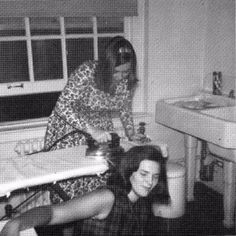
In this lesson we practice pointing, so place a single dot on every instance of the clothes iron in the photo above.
(109, 151)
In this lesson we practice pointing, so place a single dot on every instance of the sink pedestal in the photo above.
(190, 144)
(229, 194)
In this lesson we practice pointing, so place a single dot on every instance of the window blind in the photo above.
(72, 8)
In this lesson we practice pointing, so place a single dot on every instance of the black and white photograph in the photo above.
(117, 118)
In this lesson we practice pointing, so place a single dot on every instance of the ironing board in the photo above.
(47, 167)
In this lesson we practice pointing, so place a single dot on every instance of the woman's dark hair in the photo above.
(130, 162)
(118, 51)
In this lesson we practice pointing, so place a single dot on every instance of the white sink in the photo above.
(226, 117)
(205, 116)
(226, 114)
(213, 119)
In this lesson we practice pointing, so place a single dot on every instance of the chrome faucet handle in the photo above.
(141, 128)
(231, 94)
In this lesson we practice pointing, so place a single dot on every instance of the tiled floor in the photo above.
(203, 217)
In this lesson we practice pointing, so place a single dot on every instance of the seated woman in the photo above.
(121, 208)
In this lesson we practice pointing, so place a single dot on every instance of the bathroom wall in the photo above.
(220, 43)
(176, 48)
(175, 58)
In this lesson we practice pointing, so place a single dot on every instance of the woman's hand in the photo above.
(140, 138)
(99, 135)
(11, 228)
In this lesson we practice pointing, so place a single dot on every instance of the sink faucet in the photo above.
(231, 94)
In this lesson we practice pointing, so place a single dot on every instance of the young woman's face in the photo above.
(144, 179)
(121, 72)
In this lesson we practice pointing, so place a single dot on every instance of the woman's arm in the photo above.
(96, 204)
(126, 118)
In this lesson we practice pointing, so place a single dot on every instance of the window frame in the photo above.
(44, 86)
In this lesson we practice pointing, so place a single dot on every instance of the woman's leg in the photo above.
(75, 188)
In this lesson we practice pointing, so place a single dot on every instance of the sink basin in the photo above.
(201, 102)
(226, 114)
(205, 116)
(226, 117)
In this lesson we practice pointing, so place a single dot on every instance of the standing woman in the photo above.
(93, 92)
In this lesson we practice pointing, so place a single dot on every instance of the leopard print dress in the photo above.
(81, 103)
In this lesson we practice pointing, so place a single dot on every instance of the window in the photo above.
(39, 53)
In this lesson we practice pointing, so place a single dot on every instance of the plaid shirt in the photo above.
(125, 218)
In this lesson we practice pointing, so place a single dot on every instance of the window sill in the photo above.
(42, 122)
(24, 124)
